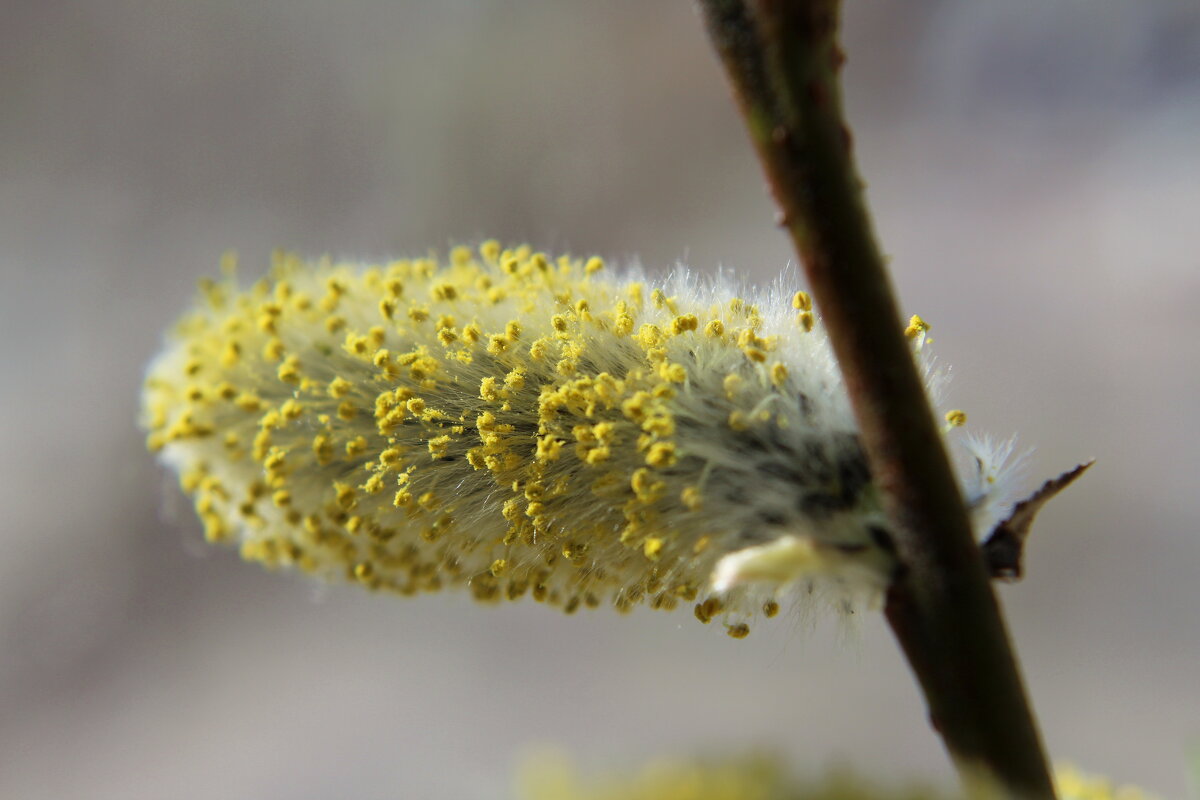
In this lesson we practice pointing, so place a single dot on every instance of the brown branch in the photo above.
(783, 59)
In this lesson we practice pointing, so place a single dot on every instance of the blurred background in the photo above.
(1035, 175)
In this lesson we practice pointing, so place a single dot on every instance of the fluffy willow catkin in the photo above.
(525, 425)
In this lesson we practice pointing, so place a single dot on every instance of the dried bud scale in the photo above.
(525, 425)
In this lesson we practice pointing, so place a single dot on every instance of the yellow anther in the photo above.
(274, 460)
(539, 349)
(956, 418)
(649, 336)
(515, 380)
(231, 354)
(490, 250)
(291, 409)
(339, 387)
(548, 448)
(739, 631)
(801, 301)
(438, 447)
(357, 345)
(779, 374)
(247, 402)
(623, 325)
(652, 548)
(916, 326)
(644, 486)
(683, 323)
(754, 354)
(346, 495)
(273, 350)
(659, 424)
(661, 454)
(675, 373)
(497, 344)
(289, 370)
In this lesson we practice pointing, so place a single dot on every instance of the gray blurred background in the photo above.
(1035, 172)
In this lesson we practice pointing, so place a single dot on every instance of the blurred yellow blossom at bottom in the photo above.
(1075, 785)
(552, 776)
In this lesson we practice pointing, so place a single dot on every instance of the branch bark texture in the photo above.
(783, 60)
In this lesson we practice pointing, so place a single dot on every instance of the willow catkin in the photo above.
(521, 425)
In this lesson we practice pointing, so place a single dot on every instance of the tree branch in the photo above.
(783, 59)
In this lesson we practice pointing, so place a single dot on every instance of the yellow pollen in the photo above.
(438, 446)
(779, 374)
(916, 326)
(683, 323)
(739, 631)
(339, 387)
(661, 454)
(652, 548)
